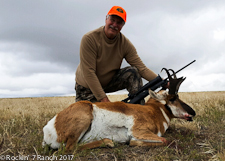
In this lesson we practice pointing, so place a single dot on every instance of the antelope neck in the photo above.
(168, 108)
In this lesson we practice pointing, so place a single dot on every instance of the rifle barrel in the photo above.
(185, 66)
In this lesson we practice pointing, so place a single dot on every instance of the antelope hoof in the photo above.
(108, 142)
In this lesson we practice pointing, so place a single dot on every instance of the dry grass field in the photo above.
(22, 120)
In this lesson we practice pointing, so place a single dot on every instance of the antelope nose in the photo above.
(187, 108)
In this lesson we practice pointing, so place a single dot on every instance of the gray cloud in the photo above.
(39, 41)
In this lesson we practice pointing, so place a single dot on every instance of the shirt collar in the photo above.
(110, 41)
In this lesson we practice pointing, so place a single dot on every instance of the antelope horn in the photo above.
(179, 83)
(174, 74)
(181, 79)
(174, 83)
(168, 73)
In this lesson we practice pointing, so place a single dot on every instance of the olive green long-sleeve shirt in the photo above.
(101, 57)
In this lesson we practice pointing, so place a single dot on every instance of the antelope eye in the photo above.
(173, 99)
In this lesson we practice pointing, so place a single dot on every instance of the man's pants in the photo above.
(126, 78)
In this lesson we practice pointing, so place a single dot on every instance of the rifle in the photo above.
(153, 85)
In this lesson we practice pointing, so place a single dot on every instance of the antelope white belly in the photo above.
(107, 124)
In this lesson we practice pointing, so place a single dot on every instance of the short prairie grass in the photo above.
(22, 120)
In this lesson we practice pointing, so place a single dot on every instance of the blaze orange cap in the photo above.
(118, 11)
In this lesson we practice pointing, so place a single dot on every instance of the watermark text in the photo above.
(36, 157)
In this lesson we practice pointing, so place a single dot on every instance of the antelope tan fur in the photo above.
(95, 124)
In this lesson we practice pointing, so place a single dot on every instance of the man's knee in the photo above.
(83, 93)
(132, 71)
(132, 68)
(131, 76)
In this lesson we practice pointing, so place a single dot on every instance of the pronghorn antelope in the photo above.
(97, 124)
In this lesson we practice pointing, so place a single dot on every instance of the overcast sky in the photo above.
(40, 39)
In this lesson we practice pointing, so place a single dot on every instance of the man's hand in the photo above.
(105, 99)
(165, 86)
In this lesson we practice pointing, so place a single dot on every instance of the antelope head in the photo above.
(171, 100)
(177, 106)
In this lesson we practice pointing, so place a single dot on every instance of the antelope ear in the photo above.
(152, 94)
(159, 96)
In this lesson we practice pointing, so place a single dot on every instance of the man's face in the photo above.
(113, 25)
